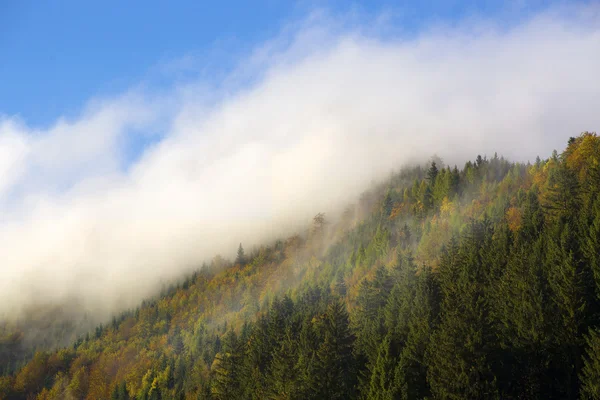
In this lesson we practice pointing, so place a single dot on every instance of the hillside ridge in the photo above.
(479, 282)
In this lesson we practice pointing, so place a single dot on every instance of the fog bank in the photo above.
(303, 125)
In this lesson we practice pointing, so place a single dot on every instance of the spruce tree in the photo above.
(334, 358)
(590, 374)
(385, 383)
(432, 173)
(226, 383)
(241, 257)
(411, 371)
(459, 357)
(283, 375)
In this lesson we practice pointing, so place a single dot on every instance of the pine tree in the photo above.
(319, 223)
(564, 197)
(459, 357)
(368, 318)
(571, 287)
(590, 374)
(411, 371)
(307, 365)
(115, 394)
(257, 359)
(388, 204)
(226, 369)
(426, 196)
(241, 257)
(432, 173)
(520, 301)
(442, 187)
(454, 182)
(335, 362)
(591, 246)
(283, 375)
(385, 383)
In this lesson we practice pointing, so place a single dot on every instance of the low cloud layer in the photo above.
(302, 126)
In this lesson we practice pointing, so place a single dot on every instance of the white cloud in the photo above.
(329, 110)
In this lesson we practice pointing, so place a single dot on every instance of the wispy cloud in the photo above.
(301, 126)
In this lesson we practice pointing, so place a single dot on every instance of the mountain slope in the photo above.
(441, 283)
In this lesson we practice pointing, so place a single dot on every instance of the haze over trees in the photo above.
(296, 123)
(441, 283)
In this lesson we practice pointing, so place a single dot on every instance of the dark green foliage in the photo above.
(120, 392)
(227, 369)
(590, 374)
(241, 256)
(591, 244)
(282, 370)
(386, 379)
(564, 193)
(432, 173)
(461, 348)
(368, 318)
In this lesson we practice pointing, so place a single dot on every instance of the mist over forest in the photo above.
(344, 213)
(328, 111)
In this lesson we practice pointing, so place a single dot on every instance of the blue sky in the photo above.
(56, 55)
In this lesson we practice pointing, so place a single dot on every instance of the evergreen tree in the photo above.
(385, 383)
(459, 357)
(307, 364)
(519, 309)
(226, 383)
(571, 287)
(368, 318)
(426, 197)
(334, 359)
(591, 245)
(590, 374)
(432, 173)
(564, 197)
(454, 182)
(241, 257)
(411, 371)
(283, 374)
(388, 204)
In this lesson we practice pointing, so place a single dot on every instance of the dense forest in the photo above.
(439, 283)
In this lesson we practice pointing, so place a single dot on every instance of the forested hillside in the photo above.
(441, 283)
